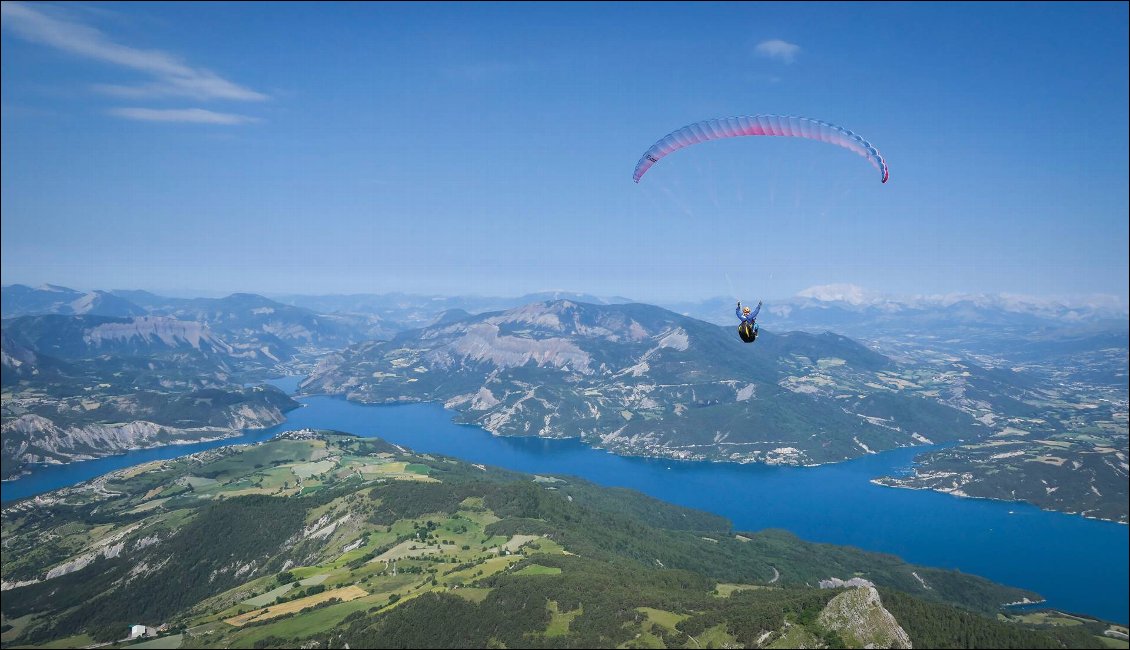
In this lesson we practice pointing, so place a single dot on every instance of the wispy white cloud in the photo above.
(778, 49)
(194, 115)
(173, 77)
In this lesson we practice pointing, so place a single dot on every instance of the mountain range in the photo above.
(410, 311)
(641, 380)
(21, 300)
(240, 319)
(983, 371)
(857, 312)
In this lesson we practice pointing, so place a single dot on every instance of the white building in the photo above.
(138, 631)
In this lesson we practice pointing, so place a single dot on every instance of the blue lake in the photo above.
(1079, 565)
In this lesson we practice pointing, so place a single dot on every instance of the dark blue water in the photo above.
(1079, 565)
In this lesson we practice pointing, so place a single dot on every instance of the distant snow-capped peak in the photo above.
(849, 293)
(860, 297)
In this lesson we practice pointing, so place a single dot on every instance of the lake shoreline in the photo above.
(879, 481)
(925, 448)
(455, 419)
(1084, 560)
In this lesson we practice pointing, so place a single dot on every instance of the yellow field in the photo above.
(149, 505)
(351, 592)
(141, 469)
(404, 550)
(308, 470)
(518, 541)
(396, 470)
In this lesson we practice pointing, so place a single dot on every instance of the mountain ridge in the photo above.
(616, 375)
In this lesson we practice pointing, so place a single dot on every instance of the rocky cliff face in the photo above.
(31, 438)
(148, 330)
(861, 621)
(101, 343)
(16, 361)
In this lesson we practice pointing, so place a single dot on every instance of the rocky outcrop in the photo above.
(860, 619)
(836, 583)
(31, 438)
(149, 329)
(109, 547)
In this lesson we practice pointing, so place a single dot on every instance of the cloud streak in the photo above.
(778, 49)
(173, 77)
(192, 115)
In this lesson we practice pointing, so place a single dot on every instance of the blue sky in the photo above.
(460, 148)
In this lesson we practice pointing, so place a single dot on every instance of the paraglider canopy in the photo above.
(732, 127)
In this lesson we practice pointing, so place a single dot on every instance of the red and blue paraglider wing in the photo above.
(732, 127)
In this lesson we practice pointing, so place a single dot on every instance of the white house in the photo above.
(138, 631)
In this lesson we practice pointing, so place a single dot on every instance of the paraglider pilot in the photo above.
(748, 329)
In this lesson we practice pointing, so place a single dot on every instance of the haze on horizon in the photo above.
(487, 149)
